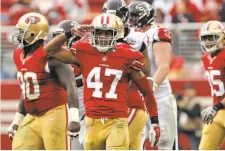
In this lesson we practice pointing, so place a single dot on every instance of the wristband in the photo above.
(154, 120)
(74, 115)
(218, 106)
(18, 118)
(68, 34)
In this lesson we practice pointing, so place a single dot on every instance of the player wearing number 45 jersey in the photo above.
(212, 41)
(107, 71)
(42, 113)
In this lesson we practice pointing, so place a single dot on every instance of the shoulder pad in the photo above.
(163, 34)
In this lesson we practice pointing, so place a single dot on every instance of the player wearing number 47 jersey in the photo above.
(107, 71)
(42, 113)
(212, 41)
(137, 116)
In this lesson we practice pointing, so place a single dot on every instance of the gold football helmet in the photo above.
(212, 34)
(108, 28)
(30, 28)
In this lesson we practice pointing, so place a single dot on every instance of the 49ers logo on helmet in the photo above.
(32, 20)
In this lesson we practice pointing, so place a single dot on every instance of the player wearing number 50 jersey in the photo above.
(212, 41)
(42, 113)
(107, 71)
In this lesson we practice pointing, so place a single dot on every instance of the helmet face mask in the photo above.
(210, 41)
(17, 37)
(133, 20)
(105, 39)
(210, 36)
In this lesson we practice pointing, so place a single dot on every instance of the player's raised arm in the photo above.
(54, 49)
(66, 77)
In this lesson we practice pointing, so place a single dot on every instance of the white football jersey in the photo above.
(137, 40)
(154, 34)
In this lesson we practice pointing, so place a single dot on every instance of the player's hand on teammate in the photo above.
(154, 134)
(73, 129)
(15, 125)
(208, 114)
(80, 30)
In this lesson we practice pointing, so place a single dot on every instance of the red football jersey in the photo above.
(76, 70)
(134, 98)
(41, 90)
(215, 71)
(106, 78)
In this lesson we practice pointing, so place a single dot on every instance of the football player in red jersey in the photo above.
(42, 114)
(137, 116)
(212, 42)
(106, 73)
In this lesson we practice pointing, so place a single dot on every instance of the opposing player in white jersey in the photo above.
(137, 40)
(62, 27)
(160, 50)
(137, 116)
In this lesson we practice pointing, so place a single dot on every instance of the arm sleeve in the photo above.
(162, 34)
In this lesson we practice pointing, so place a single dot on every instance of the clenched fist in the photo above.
(73, 129)
(74, 124)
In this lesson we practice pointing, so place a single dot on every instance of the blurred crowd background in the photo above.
(174, 11)
(183, 17)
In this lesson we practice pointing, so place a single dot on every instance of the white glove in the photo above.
(15, 124)
(208, 114)
(154, 134)
(74, 125)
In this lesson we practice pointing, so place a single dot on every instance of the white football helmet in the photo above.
(210, 36)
